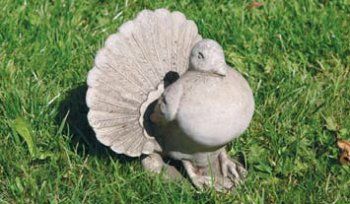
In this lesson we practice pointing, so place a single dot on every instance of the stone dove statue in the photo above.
(159, 90)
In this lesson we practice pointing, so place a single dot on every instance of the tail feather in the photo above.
(127, 73)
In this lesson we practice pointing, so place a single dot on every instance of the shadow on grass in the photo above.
(81, 134)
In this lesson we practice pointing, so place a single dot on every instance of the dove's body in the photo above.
(211, 111)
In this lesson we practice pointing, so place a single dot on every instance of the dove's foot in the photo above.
(223, 173)
(197, 175)
(202, 177)
(231, 169)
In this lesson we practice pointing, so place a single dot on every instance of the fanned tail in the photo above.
(128, 76)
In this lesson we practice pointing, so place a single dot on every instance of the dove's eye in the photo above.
(200, 55)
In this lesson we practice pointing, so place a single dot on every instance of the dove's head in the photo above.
(208, 56)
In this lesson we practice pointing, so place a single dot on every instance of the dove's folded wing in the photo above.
(170, 101)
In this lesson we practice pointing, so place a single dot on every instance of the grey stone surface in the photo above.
(191, 119)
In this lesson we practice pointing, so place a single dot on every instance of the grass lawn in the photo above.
(295, 55)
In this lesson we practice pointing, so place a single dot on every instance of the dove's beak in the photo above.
(222, 70)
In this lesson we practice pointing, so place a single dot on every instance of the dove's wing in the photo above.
(170, 101)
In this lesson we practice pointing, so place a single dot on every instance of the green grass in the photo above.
(295, 55)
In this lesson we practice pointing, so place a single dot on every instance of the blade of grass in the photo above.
(21, 127)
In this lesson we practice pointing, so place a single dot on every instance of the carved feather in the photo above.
(128, 74)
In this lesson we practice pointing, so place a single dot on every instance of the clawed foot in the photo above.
(199, 176)
(223, 174)
(231, 169)
(202, 181)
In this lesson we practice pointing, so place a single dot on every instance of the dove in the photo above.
(209, 106)
(158, 90)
